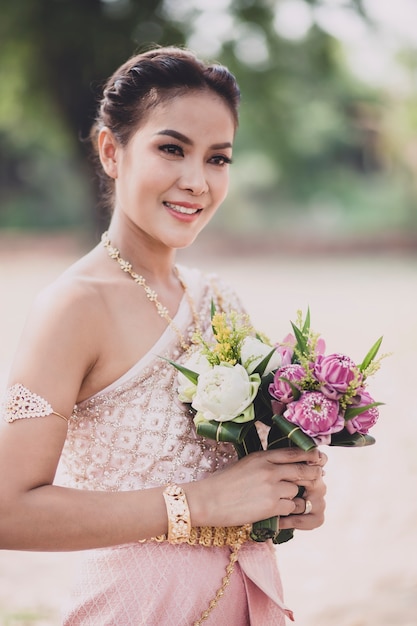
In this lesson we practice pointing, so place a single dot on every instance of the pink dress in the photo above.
(136, 434)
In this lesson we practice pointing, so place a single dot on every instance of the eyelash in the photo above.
(174, 150)
(225, 160)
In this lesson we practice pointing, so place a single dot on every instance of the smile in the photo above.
(182, 209)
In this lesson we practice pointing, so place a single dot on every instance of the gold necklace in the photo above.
(152, 295)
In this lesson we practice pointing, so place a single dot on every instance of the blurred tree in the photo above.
(301, 105)
(58, 52)
(314, 124)
(75, 44)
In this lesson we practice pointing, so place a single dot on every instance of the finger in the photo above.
(308, 514)
(295, 455)
(300, 473)
(287, 490)
(300, 506)
(286, 502)
(313, 494)
(302, 522)
(321, 461)
(307, 517)
(285, 508)
(314, 488)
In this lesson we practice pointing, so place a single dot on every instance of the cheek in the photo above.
(142, 180)
(221, 187)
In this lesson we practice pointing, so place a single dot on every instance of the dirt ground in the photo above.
(360, 568)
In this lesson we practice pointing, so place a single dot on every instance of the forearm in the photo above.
(51, 518)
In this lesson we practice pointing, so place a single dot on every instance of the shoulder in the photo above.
(68, 303)
(60, 340)
(72, 294)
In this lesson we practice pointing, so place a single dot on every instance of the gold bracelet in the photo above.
(179, 522)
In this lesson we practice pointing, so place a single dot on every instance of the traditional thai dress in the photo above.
(136, 434)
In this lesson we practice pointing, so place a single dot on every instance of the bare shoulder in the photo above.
(74, 293)
(61, 339)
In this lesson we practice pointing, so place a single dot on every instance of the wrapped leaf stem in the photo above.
(288, 431)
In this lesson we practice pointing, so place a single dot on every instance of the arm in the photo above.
(57, 351)
(36, 515)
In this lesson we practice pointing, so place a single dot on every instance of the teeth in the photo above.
(181, 209)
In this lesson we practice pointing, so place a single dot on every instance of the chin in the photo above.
(178, 241)
(184, 243)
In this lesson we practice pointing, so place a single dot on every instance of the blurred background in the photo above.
(327, 149)
(322, 212)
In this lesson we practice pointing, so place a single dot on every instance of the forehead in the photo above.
(199, 114)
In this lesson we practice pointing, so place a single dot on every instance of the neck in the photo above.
(155, 261)
(152, 295)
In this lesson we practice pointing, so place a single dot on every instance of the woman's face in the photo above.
(173, 174)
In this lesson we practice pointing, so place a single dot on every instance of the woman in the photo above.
(89, 374)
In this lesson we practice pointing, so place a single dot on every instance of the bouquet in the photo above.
(306, 397)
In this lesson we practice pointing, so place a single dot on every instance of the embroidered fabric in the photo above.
(136, 434)
(21, 403)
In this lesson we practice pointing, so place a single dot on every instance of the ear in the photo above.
(107, 149)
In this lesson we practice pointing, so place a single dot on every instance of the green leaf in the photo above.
(262, 402)
(295, 390)
(345, 440)
(352, 412)
(224, 431)
(284, 535)
(371, 355)
(261, 367)
(192, 376)
(264, 530)
(250, 443)
(212, 309)
(301, 339)
(294, 433)
(277, 439)
(306, 325)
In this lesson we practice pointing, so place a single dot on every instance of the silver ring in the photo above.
(308, 508)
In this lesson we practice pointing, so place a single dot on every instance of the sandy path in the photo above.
(360, 568)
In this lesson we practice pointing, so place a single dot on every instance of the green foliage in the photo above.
(311, 135)
(25, 618)
(54, 55)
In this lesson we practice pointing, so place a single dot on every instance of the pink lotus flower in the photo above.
(320, 346)
(316, 415)
(280, 389)
(364, 421)
(286, 349)
(335, 373)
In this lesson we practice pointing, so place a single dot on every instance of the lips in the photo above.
(188, 209)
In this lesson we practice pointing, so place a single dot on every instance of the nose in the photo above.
(193, 179)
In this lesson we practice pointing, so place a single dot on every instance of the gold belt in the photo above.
(209, 536)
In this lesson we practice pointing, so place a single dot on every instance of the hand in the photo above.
(261, 485)
(314, 493)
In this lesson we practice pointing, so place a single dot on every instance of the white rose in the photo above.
(224, 393)
(196, 363)
(253, 351)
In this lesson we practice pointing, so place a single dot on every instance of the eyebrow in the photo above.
(176, 135)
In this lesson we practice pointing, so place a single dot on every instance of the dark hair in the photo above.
(153, 77)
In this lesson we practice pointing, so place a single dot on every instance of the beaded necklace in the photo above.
(126, 267)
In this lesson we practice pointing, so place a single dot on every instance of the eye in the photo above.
(172, 149)
(220, 160)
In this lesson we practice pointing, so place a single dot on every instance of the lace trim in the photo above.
(21, 403)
